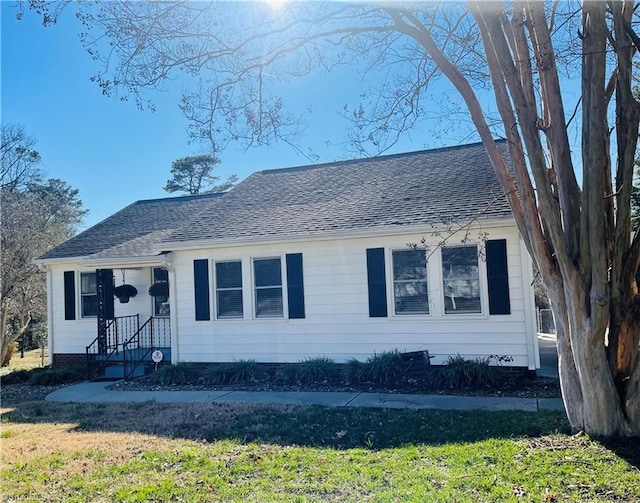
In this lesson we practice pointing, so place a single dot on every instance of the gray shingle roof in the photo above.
(418, 188)
(132, 231)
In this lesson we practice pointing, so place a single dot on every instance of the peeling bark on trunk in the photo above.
(590, 298)
(569, 380)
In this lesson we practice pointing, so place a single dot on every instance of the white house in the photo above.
(413, 252)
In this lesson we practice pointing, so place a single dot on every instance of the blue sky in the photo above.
(116, 154)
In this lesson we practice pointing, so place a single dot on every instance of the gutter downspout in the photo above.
(173, 309)
(533, 351)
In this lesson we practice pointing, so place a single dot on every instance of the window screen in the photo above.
(410, 282)
(461, 279)
(268, 287)
(229, 289)
(88, 294)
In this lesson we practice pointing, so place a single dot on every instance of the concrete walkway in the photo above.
(96, 392)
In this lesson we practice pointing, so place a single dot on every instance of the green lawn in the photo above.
(207, 452)
(32, 359)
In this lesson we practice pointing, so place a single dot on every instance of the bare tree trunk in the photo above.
(6, 339)
(4, 336)
(632, 398)
(602, 410)
(569, 379)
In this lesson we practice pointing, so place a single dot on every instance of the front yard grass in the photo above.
(212, 452)
(32, 359)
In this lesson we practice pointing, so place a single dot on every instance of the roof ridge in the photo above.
(211, 195)
(306, 167)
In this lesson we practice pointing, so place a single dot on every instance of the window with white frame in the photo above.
(88, 294)
(267, 274)
(229, 289)
(160, 285)
(410, 281)
(461, 279)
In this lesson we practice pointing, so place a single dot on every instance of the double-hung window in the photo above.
(88, 294)
(229, 289)
(461, 279)
(267, 273)
(410, 282)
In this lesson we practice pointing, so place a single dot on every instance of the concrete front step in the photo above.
(135, 355)
(117, 371)
(114, 363)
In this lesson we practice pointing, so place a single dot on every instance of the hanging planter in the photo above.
(125, 292)
(160, 289)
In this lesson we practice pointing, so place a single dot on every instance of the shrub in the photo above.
(459, 372)
(16, 377)
(237, 372)
(287, 373)
(383, 368)
(180, 373)
(353, 370)
(316, 370)
(58, 375)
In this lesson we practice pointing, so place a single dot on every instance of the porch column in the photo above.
(104, 291)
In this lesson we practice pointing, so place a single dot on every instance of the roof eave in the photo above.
(324, 235)
(56, 260)
(88, 261)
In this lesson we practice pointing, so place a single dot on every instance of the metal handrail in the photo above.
(147, 337)
(112, 346)
(153, 333)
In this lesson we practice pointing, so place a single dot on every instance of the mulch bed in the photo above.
(539, 387)
(11, 394)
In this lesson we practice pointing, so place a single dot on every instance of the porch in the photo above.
(125, 349)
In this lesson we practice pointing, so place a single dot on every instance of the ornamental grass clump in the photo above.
(353, 370)
(287, 374)
(241, 371)
(460, 372)
(315, 370)
(180, 373)
(382, 368)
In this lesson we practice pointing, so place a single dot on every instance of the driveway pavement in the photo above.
(548, 355)
(96, 392)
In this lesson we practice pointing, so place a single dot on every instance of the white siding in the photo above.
(337, 322)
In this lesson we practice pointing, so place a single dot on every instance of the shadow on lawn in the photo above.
(293, 425)
(628, 449)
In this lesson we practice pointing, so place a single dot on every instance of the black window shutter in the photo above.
(201, 289)
(69, 295)
(377, 283)
(498, 276)
(295, 285)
